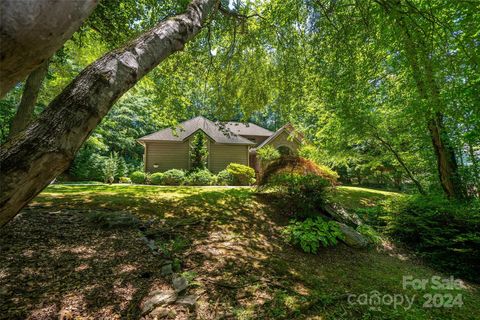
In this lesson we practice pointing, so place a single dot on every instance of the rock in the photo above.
(158, 298)
(352, 237)
(188, 301)
(166, 270)
(159, 313)
(179, 284)
(341, 215)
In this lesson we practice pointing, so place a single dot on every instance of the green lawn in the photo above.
(226, 240)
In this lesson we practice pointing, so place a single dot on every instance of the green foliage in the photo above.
(174, 177)
(110, 168)
(199, 151)
(267, 154)
(297, 165)
(370, 233)
(156, 178)
(312, 233)
(300, 196)
(446, 233)
(242, 175)
(225, 178)
(124, 180)
(200, 178)
(138, 177)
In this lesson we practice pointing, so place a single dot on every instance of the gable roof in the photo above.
(288, 128)
(247, 129)
(185, 129)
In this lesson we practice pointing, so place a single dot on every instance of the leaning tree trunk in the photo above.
(31, 160)
(31, 31)
(29, 98)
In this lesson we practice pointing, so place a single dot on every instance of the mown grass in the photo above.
(239, 243)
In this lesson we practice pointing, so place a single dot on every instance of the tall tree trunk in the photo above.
(29, 98)
(30, 161)
(422, 69)
(31, 31)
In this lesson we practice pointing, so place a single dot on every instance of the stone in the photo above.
(157, 299)
(159, 313)
(166, 270)
(179, 284)
(188, 301)
(352, 237)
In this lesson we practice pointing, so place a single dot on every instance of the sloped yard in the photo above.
(67, 253)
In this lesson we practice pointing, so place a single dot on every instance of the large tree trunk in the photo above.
(418, 57)
(31, 160)
(29, 98)
(31, 31)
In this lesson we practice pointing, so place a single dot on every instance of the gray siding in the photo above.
(168, 155)
(221, 155)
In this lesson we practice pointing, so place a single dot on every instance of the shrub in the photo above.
(295, 164)
(110, 168)
(300, 196)
(312, 233)
(173, 177)
(138, 177)
(242, 175)
(225, 178)
(200, 178)
(267, 154)
(446, 233)
(156, 178)
(124, 180)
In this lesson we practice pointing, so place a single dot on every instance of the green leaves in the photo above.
(312, 233)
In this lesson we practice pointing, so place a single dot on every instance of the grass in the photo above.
(226, 241)
(356, 197)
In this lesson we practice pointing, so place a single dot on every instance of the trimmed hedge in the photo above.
(242, 175)
(156, 178)
(173, 177)
(138, 177)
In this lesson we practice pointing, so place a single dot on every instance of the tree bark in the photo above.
(422, 70)
(31, 31)
(30, 161)
(29, 98)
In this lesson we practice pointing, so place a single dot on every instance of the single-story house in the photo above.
(227, 142)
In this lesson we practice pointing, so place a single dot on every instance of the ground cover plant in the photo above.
(227, 241)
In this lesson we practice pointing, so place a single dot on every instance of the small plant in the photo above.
(369, 233)
(225, 178)
(242, 175)
(125, 180)
(299, 196)
(110, 168)
(138, 177)
(312, 233)
(156, 178)
(200, 178)
(173, 177)
(267, 154)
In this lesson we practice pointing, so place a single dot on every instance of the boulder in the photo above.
(342, 215)
(188, 301)
(166, 270)
(179, 284)
(352, 238)
(157, 299)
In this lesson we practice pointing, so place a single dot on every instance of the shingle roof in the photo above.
(289, 128)
(217, 132)
(247, 129)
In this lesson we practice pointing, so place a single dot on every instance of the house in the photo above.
(227, 142)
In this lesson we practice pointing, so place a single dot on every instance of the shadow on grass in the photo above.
(232, 247)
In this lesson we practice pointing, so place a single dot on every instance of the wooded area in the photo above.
(385, 94)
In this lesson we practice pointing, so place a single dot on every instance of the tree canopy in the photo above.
(386, 91)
